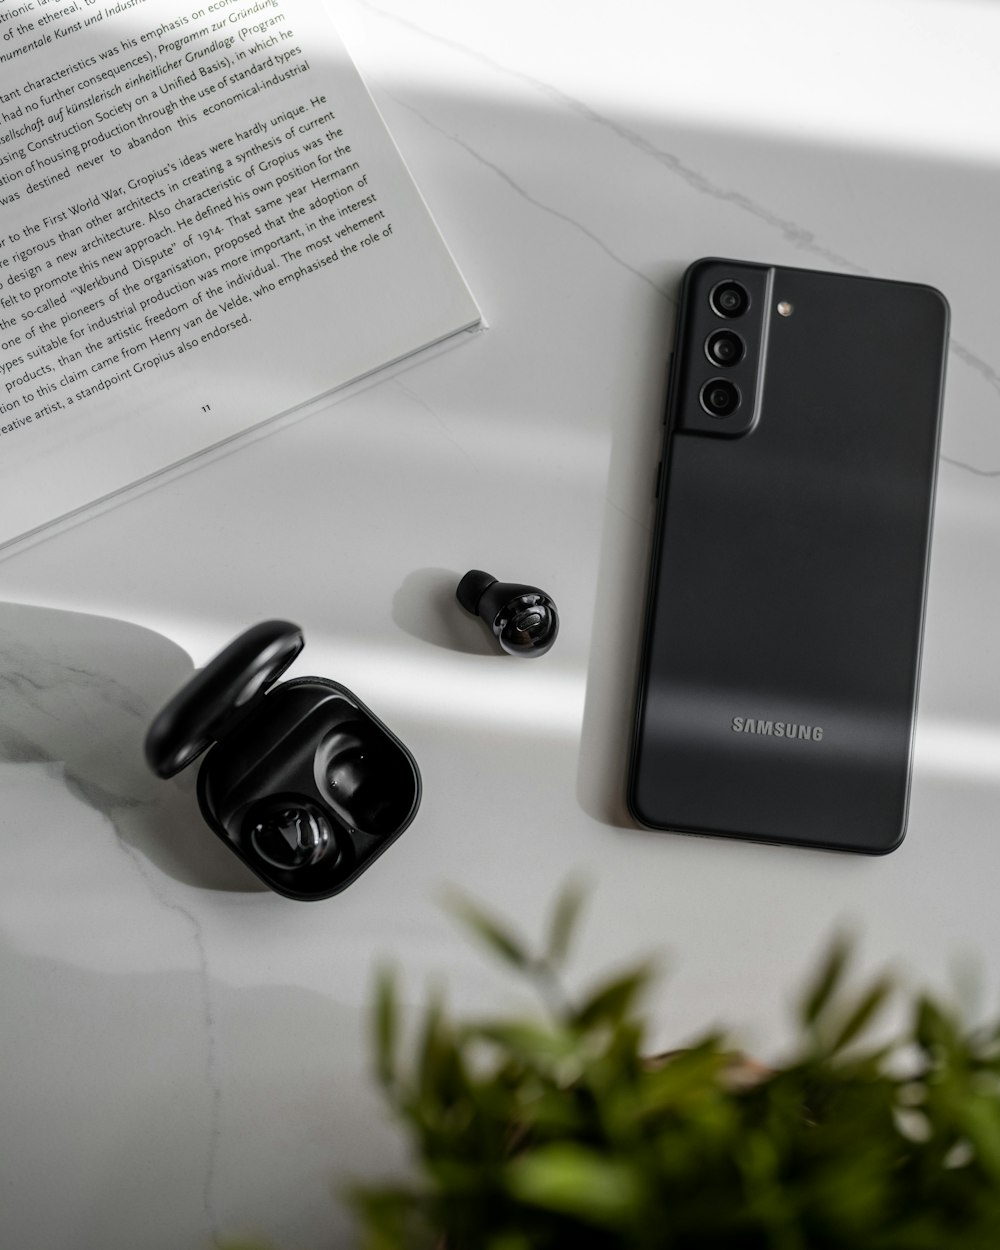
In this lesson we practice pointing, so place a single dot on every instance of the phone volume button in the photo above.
(656, 487)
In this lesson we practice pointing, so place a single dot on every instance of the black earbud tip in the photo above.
(471, 589)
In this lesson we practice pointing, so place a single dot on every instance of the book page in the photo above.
(203, 223)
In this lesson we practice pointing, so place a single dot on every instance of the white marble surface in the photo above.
(184, 1055)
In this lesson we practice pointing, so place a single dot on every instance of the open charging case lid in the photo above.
(208, 707)
(303, 782)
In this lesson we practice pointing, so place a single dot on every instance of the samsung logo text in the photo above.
(776, 729)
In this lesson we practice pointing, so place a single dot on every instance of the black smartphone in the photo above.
(778, 678)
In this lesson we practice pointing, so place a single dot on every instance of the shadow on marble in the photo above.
(80, 691)
(171, 1109)
(425, 606)
(622, 574)
(610, 231)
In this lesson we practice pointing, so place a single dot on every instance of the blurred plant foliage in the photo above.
(560, 1131)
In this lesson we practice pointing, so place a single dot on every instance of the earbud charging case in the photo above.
(300, 780)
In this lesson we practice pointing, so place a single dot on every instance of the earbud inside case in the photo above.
(300, 780)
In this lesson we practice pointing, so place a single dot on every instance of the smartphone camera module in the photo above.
(720, 344)
(725, 348)
(729, 299)
(720, 397)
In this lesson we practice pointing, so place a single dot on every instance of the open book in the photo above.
(203, 224)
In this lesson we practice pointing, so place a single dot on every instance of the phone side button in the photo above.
(666, 398)
(656, 488)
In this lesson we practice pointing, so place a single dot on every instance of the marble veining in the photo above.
(84, 720)
(534, 201)
(414, 397)
(970, 468)
(187, 1056)
(799, 236)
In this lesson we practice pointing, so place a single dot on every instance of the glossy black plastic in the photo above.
(304, 783)
(720, 397)
(725, 348)
(729, 298)
(784, 615)
(523, 619)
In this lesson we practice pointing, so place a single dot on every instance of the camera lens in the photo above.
(729, 299)
(725, 347)
(720, 397)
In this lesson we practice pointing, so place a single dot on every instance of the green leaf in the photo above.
(565, 1132)
(575, 1181)
(692, 1075)
(525, 1040)
(935, 1031)
(392, 1218)
(386, 1027)
(509, 1241)
(565, 916)
(861, 1016)
(490, 930)
(612, 1002)
(980, 1117)
(441, 1078)
(826, 981)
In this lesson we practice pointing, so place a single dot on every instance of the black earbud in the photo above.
(523, 619)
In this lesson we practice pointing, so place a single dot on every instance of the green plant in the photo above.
(559, 1131)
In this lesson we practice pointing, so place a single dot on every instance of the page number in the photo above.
(206, 407)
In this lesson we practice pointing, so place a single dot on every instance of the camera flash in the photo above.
(784, 309)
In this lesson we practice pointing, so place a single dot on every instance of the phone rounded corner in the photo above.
(700, 263)
(698, 266)
(893, 843)
(634, 809)
(939, 298)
